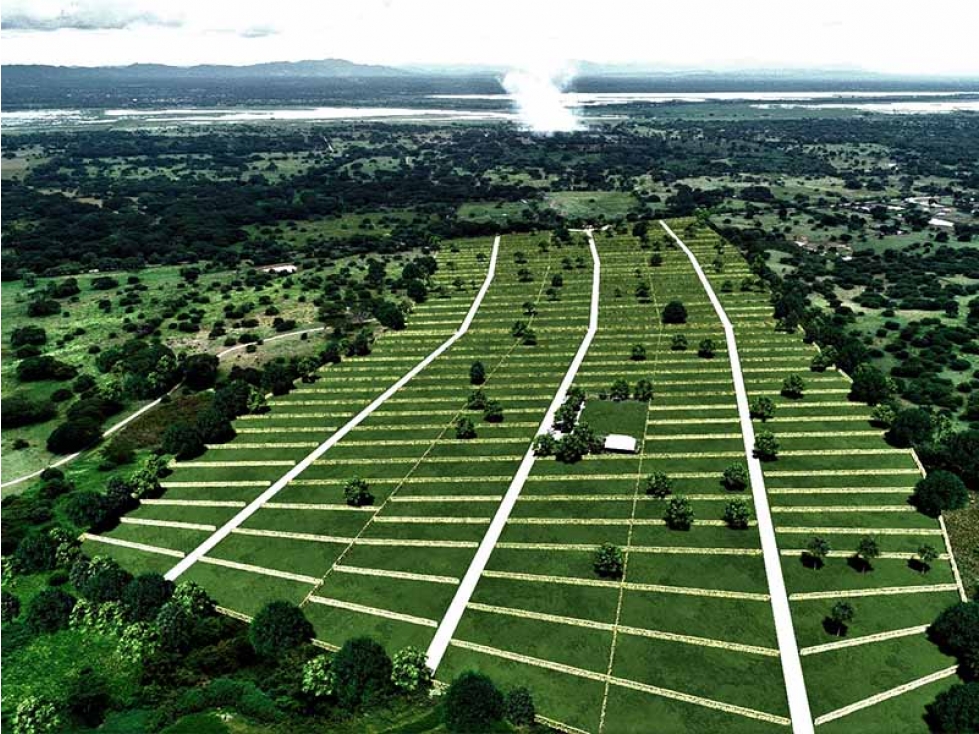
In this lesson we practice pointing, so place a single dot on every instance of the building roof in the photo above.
(620, 442)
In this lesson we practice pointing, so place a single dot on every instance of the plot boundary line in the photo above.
(450, 620)
(864, 640)
(795, 686)
(308, 461)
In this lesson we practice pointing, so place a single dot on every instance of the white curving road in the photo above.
(222, 532)
(795, 685)
(450, 620)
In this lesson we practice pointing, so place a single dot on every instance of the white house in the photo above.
(620, 443)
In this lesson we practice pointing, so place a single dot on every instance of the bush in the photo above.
(955, 711)
(735, 477)
(939, 491)
(473, 704)
(74, 435)
(36, 716)
(319, 680)
(103, 580)
(200, 371)
(21, 410)
(410, 671)
(88, 697)
(278, 628)
(86, 509)
(737, 514)
(674, 313)
(619, 390)
(870, 385)
(793, 387)
(643, 391)
(477, 373)
(706, 349)
(362, 671)
(465, 428)
(357, 493)
(213, 426)
(49, 611)
(175, 626)
(519, 706)
(493, 412)
(658, 484)
(609, 561)
(28, 335)
(145, 595)
(956, 632)
(183, 441)
(678, 343)
(9, 606)
(762, 409)
(910, 427)
(766, 446)
(36, 553)
(35, 369)
(679, 513)
(638, 353)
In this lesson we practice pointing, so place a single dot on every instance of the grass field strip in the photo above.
(663, 549)
(622, 682)
(865, 640)
(373, 611)
(878, 591)
(799, 710)
(450, 620)
(892, 693)
(268, 494)
(133, 545)
(636, 631)
(424, 457)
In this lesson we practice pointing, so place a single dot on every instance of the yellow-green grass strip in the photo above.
(658, 588)
(885, 695)
(788, 509)
(316, 506)
(879, 591)
(132, 544)
(372, 611)
(388, 574)
(620, 682)
(193, 503)
(208, 485)
(249, 430)
(635, 631)
(166, 524)
(431, 520)
(687, 550)
(265, 445)
(856, 531)
(260, 570)
(311, 537)
(606, 521)
(888, 556)
(694, 436)
(229, 464)
(840, 490)
(450, 498)
(837, 472)
(865, 640)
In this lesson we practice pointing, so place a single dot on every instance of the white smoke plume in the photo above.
(537, 93)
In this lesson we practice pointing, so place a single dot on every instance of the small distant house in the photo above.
(279, 268)
(620, 443)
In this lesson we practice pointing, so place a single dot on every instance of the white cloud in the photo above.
(879, 35)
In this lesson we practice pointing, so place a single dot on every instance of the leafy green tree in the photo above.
(9, 606)
(74, 435)
(35, 715)
(477, 373)
(956, 710)
(103, 580)
(840, 615)
(213, 426)
(362, 671)
(519, 707)
(674, 313)
(619, 390)
(278, 628)
(817, 550)
(194, 599)
(200, 371)
(658, 484)
(473, 704)
(175, 625)
(544, 445)
(410, 672)
(766, 446)
(678, 343)
(793, 386)
(638, 353)
(145, 595)
(763, 409)
(706, 349)
(926, 555)
(871, 386)
(882, 415)
(357, 492)
(939, 491)
(735, 478)
(183, 441)
(911, 427)
(465, 428)
(737, 514)
(493, 412)
(49, 611)
(319, 680)
(609, 561)
(35, 553)
(679, 513)
(643, 391)
(477, 400)
(956, 632)
(867, 550)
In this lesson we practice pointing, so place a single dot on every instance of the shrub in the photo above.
(175, 626)
(145, 595)
(9, 606)
(36, 716)
(49, 611)
(674, 313)
(88, 697)
(278, 628)
(793, 387)
(910, 427)
(465, 428)
(870, 385)
(638, 353)
(28, 335)
(357, 493)
(472, 704)
(736, 477)
(519, 707)
(544, 445)
(706, 349)
(609, 561)
(319, 680)
(939, 491)
(766, 446)
(678, 343)
(213, 426)
(200, 371)
(619, 390)
(22, 410)
(35, 369)
(658, 484)
(86, 509)
(643, 391)
(410, 671)
(362, 671)
(183, 441)
(102, 581)
(477, 400)
(679, 513)
(36, 553)
(737, 514)
(74, 435)
(477, 373)
(882, 415)
(493, 412)
(763, 409)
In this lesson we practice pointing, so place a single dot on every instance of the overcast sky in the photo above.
(934, 37)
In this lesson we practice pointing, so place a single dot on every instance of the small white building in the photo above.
(620, 443)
